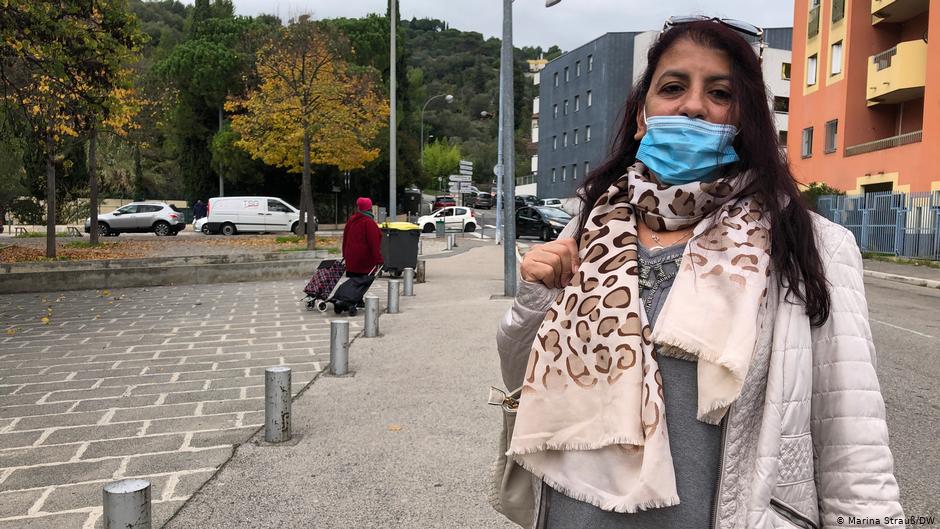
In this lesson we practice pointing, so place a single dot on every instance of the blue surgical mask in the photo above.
(681, 150)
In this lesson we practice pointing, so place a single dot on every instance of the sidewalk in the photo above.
(408, 441)
(903, 273)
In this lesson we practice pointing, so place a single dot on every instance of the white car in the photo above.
(553, 202)
(455, 218)
(200, 225)
(138, 217)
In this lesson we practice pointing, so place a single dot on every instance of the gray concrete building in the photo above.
(581, 97)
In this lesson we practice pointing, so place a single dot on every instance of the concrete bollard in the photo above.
(420, 247)
(420, 272)
(277, 394)
(372, 316)
(450, 243)
(393, 288)
(408, 287)
(127, 504)
(339, 347)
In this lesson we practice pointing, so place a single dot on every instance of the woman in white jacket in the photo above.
(694, 350)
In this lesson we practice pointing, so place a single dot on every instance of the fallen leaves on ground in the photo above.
(394, 427)
(22, 254)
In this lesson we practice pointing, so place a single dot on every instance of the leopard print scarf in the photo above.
(591, 418)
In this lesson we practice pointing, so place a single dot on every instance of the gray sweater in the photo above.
(695, 446)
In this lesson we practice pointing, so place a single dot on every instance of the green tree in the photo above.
(441, 159)
(813, 191)
(58, 58)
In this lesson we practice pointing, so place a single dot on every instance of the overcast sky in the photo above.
(568, 24)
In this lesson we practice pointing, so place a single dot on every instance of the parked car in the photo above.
(200, 225)
(544, 222)
(526, 200)
(484, 200)
(139, 217)
(231, 215)
(443, 201)
(553, 202)
(455, 218)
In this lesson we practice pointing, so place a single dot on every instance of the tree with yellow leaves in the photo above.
(309, 107)
(59, 62)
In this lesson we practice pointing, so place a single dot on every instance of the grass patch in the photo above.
(289, 239)
(901, 260)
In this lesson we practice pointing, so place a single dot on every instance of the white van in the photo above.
(231, 215)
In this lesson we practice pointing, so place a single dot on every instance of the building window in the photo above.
(554, 111)
(564, 139)
(590, 98)
(811, 70)
(587, 134)
(554, 143)
(781, 104)
(836, 57)
(832, 133)
(782, 137)
(785, 71)
(587, 168)
(577, 69)
(590, 63)
(564, 173)
(566, 74)
(813, 26)
(577, 103)
(553, 175)
(566, 107)
(574, 171)
(556, 78)
(807, 150)
(576, 136)
(838, 10)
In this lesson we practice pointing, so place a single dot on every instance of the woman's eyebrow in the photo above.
(684, 76)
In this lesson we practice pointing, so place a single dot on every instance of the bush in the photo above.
(815, 190)
(28, 211)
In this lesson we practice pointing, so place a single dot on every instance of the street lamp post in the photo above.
(449, 99)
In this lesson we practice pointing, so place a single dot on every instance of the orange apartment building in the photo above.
(865, 95)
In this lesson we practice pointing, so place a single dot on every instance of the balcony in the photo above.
(895, 11)
(899, 74)
(885, 143)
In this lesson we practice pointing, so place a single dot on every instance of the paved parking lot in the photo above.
(158, 383)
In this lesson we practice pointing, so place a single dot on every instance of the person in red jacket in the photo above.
(362, 241)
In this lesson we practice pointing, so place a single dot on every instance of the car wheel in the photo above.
(228, 229)
(470, 228)
(103, 229)
(205, 229)
(546, 234)
(428, 228)
(295, 229)
(161, 229)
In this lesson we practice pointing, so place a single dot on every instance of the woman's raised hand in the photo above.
(552, 264)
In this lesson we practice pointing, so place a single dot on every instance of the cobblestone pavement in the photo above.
(157, 383)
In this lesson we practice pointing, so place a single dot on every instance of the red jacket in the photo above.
(362, 244)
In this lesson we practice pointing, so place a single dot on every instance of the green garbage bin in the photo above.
(440, 228)
(400, 246)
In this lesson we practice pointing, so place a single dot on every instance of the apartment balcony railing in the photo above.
(898, 74)
(885, 143)
(813, 22)
(895, 11)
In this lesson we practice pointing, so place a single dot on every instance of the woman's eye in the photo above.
(672, 89)
(721, 95)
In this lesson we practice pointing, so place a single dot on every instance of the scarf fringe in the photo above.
(623, 507)
(557, 446)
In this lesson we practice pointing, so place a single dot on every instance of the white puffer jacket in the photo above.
(806, 443)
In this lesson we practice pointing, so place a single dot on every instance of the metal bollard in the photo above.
(277, 393)
(450, 243)
(127, 504)
(420, 247)
(372, 316)
(339, 347)
(393, 287)
(408, 288)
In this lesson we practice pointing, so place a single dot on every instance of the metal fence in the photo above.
(902, 224)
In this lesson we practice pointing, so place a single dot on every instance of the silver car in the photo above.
(140, 217)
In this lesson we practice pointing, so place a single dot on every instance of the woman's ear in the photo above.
(640, 126)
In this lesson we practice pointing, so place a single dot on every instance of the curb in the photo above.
(915, 281)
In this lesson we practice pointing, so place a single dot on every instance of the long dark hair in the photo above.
(793, 246)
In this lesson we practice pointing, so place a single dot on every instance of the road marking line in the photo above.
(902, 328)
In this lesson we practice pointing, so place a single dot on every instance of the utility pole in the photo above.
(392, 120)
(507, 140)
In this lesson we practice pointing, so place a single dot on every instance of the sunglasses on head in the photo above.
(742, 27)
